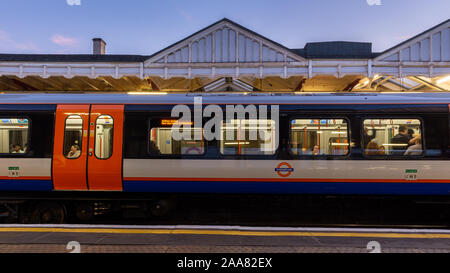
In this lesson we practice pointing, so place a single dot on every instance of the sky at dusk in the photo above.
(144, 27)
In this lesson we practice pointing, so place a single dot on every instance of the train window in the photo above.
(14, 134)
(162, 142)
(248, 137)
(319, 137)
(104, 127)
(73, 135)
(393, 137)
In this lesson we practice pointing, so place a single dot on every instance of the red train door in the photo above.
(105, 148)
(71, 129)
(87, 153)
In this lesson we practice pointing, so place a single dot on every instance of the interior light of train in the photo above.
(395, 144)
(298, 128)
(339, 144)
(237, 143)
(243, 127)
(80, 114)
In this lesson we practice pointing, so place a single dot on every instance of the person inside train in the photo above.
(415, 149)
(373, 148)
(401, 141)
(74, 151)
(17, 149)
(382, 150)
(367, 138)
(315, 150)
(28, 149)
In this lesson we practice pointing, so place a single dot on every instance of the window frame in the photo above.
(170, 156)
(95, 137)
(321, 157)
(28, 137)
(403, 157)
(81, 145)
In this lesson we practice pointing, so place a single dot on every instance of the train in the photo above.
(66, 154)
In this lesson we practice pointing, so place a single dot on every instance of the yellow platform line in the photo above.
(232, 232)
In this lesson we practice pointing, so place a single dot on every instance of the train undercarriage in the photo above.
(62, 209)
(68, 208)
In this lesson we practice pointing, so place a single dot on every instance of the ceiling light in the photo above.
(146, 93)
(442, 80)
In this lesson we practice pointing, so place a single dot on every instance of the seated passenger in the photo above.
(382, 150)
(415, 149)
(74, 151)
(374, 149)
(412, 138)
(28, 149)
(401, 140)
(367, 138)
(17, 149)
(315, 150)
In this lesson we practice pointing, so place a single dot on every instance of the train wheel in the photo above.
(85, 212)
(48, 213)
(161, 207)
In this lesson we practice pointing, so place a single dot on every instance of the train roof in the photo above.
(226, 98)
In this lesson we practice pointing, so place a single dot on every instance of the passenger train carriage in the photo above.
(70, 150)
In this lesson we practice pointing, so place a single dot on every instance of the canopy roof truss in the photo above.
(229, 56)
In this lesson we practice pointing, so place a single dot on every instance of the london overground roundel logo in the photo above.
(284, 169)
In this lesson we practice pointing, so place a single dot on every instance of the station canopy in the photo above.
(227, 57)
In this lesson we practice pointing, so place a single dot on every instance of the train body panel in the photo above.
(297, 177)
(114, 132)
(25, 174)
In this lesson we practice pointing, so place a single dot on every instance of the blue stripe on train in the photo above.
(25, 185)
(289, 187)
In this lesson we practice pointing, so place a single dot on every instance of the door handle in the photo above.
(90, 153)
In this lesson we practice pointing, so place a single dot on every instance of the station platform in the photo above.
(218, 239)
